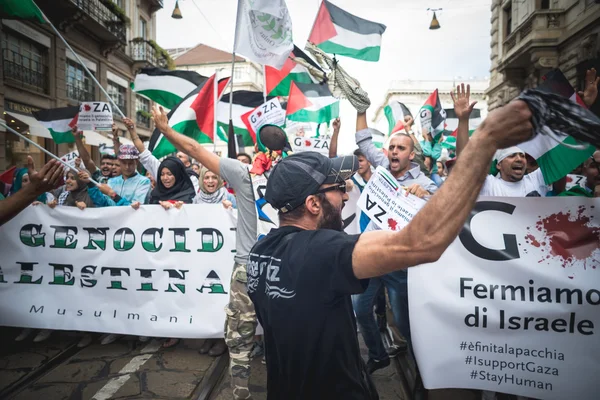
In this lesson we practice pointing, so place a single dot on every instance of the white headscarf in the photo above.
(503, 153)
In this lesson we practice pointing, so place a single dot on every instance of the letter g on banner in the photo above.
(510, 251)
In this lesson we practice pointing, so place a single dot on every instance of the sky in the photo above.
(409, 50)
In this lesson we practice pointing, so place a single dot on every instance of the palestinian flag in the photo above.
(244, 102)
(278, 81)
(338, 32)
(452, 121)
(309, 102)
(21, 9)
(192, 117)
(395, 112)
(379, 138)
(59, 122)
(556, 161)
(432, 116)
(166, 87)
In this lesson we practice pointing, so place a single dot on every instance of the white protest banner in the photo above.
(69, 158)
(149, 272)
(513, 305)
(386, 203)
(95, 116)
(351, 213)
(270, 112)
(319, 144)
(575, 180)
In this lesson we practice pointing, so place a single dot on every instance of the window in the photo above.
(119, 95)
(26, 62)
(79, 85)
(142, 107)
(120, 3)
(545, 4)
(238, 73)
(143, 29)
(508, 19)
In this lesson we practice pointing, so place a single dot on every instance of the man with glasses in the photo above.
(301, 276)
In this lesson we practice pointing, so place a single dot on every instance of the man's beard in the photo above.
(332, 217)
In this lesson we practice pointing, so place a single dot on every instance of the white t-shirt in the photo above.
(533, 182)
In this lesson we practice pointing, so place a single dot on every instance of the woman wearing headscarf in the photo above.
(21, 178)
(75, 193)
(173, 186)
(212, 190)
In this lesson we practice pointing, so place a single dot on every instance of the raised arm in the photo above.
(463, 109)
(430, 232)
(334, 138)
(40, 182)
(149, 162)
(83, 153)
(183, 143)
(364, 140)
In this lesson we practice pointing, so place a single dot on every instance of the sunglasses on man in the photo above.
(341, 187)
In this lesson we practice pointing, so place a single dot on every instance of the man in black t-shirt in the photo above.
(301, 276)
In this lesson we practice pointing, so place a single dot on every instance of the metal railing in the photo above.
(80, 94)
(143, 51)
(103, 15)
(18, 67)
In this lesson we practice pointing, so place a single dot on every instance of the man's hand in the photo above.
(130, 125)
(461, 100)
(336, 124)
(135, 205)
(84, 176)
(417, 190)
(590, 93)
(159, 116)
(408, 122)
(77, 162)
(81, 205)
(52, 204)
(47, 179)
(509, 125)
(107, 190)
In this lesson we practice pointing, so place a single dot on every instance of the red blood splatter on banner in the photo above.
(87, 107)
(392, 223)
(570, 237)
(307, 143)
(569, 179)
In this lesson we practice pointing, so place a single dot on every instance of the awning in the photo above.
(35, 127)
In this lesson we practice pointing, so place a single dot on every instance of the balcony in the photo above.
(143, 119)
(156, 5)
(79, 93)
(100, 20)
(145, 52)
(24, 71)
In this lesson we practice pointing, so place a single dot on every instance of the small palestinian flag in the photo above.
(338, 32)
(452, 121)
(21, 9)
(166, 87)
(244, 102)
(379, 138)
(278, 81)
(193, 117)
(312, 103)
(432, 116)
(395, 112)
(555, 160)
(59, 122)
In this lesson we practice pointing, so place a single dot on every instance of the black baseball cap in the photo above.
(298, 176)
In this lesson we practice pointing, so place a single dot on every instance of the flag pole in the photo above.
(264, 83)
(215, 105)
(44, 150)
(110, 99)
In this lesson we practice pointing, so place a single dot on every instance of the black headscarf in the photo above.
(182, 190)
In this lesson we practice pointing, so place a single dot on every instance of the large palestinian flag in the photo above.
(21, 9)
(192, 117)
(166, 87)
(278, 81)
(338, 32)
(311, 103)
(59, 122)
(394, 113)
(556, 161)
(244, 102)
(432, 116)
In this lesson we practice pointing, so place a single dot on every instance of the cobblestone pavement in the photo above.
(125, 369)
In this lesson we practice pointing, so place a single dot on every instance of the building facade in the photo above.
(413, 95)
(114, 39)
(529, 38)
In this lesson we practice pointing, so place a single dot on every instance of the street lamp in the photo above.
(435, 24)
(176, 11)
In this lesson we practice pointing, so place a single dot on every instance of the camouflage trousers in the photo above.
(240, 327)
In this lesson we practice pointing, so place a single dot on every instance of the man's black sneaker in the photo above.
(374, 365)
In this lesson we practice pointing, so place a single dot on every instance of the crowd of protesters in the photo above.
(194, 175)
